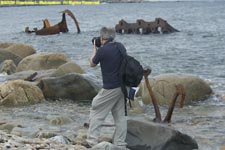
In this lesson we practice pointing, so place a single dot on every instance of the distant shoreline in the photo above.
(65, 2)
(11, 3)
(46, 2)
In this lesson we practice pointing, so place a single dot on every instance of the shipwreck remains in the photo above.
(144, 27)
(57, 28)
(179, 92)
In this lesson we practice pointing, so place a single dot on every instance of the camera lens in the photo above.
(97, 41)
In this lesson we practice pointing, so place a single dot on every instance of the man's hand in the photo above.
(93, 55)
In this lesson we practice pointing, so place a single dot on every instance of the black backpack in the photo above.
(131, 72)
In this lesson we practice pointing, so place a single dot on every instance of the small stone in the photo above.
(1, 140)
(7, 145)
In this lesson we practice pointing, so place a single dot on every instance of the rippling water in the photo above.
(197, 49)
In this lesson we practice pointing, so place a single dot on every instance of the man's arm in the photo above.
(92, 64)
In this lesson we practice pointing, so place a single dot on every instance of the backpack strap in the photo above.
(123, 50)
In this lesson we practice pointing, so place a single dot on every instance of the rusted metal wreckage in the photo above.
(57, 28)
(144, 27)
(179, 91)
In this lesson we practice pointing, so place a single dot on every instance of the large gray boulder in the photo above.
(72, 86)
(163, 87)
(151, 136)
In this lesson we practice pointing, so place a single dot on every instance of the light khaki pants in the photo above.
(105, 101)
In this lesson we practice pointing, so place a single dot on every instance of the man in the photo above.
(110, 98)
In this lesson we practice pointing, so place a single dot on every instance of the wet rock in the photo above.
(150, 136)
(42, 61)
(60, 139)
(45, 134)
(136, 106)
(72, 86)
(8, 67)
(6, 55)
(7, 127)
(27, 131)
(59, 120)
(223, 97)
(81, 136)
(19, 49)
(163, 86)
(25, 74)
(107, 146)
(19, 92)
(67, 68)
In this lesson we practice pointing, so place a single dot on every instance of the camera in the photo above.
(97, 41)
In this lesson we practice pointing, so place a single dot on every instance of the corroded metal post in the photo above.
(179, 91)
(154, 101)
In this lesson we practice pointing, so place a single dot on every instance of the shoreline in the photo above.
(9, 3)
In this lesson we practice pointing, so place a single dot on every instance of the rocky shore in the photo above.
(32, 78)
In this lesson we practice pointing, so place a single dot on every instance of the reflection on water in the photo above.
(197, 49)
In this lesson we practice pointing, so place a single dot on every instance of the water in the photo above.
(197, 49)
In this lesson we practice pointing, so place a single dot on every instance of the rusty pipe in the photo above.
(154, 101)
(179, 91)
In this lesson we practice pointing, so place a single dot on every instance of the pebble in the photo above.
(12, 142)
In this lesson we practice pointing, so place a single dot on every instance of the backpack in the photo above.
(131, 73)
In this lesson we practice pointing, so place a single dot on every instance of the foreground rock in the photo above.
(7, 67)
(141, 135)
(15, 51)
(19, 92)
(106, 146)
(71, 86)
(19, 49)
(42, 61)
(151, 136)
(6, 55)
(163, 87)
(23, 75)
(8, 141)
(69, 67)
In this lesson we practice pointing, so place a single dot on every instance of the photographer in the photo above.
(110, 98)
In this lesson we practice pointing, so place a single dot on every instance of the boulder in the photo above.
(19, 92)
(42, 61)
(4, 45)
(106, 146)
(23, 75)
(6, 55)
(8, 67)
(72, 86)
(7, 127)
(69, 67)
(163, 87)
(151, 136)
(19, 49)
